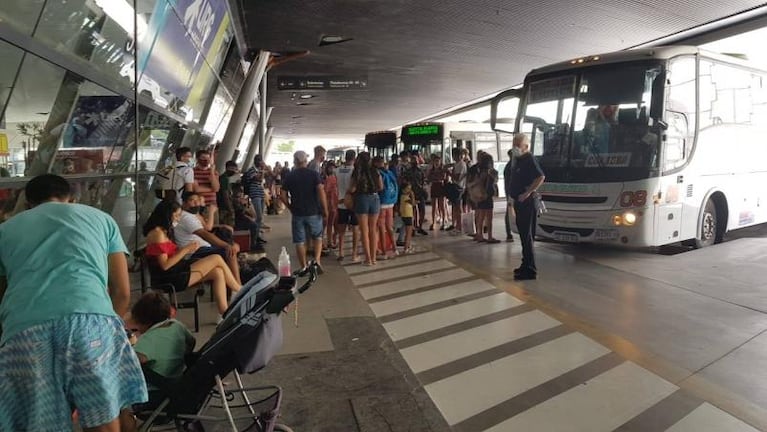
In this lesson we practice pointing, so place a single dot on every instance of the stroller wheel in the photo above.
(282, 428)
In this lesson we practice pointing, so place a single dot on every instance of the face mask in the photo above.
(194, 210)
(516, 151)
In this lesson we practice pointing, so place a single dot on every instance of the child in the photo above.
(164, 342)
(406, 201)
(331, 191)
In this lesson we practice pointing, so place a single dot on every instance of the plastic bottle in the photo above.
(283, 263)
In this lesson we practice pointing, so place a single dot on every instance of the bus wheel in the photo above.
(708, 230)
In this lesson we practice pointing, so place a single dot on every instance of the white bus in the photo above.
(645, 147)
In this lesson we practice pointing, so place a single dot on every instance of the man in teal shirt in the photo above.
(64, 288)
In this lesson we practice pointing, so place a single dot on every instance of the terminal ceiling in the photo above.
(424, 56)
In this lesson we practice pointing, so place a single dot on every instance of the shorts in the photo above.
(81, 361)
(437, 190)
(453, 192)
(300, 225)
(485, 204)
(367, 204)
(346, 217)
(407, 221)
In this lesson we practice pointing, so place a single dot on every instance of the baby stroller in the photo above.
(244, 342)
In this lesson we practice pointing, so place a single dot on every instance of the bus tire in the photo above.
(708, 231)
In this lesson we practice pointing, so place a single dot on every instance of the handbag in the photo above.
(540, 206)
(467, 223)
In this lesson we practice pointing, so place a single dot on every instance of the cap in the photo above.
(300, 156)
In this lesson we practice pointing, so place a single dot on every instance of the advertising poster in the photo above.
(175, 31)
(98, 121)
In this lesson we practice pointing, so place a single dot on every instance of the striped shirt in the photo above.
(253, 181)
(202, 177)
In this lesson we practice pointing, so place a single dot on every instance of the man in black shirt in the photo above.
(526, 178)
(304, 194)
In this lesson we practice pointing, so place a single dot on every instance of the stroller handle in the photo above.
(290, 290)
(311, 271)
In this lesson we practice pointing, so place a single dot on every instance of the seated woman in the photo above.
(167, 262)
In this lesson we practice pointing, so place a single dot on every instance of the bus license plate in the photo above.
(566, 237)
(606, 234)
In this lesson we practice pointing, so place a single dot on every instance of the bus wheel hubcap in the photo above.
(709, 226)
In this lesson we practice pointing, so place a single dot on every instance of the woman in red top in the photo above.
(167, 262)
(331, 191)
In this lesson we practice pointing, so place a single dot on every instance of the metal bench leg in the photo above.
(196, 313)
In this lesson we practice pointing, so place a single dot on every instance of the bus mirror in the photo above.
(656, 104)
(503, 108)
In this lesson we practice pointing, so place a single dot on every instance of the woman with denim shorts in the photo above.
(365, 185)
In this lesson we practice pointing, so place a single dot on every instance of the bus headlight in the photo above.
(629, 218)
(626, 219)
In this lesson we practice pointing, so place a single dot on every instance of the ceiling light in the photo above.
(306, 96)
(303, 103)
(332, 40)
(296, 117)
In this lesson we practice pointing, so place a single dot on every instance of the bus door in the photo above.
(676, 141)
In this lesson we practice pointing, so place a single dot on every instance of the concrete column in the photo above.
(264, 118)
(255, 142)
(242, 107)
(268, 141)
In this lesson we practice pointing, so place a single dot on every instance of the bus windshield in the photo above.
(592, 124)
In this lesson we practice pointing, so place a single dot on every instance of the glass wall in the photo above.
(104, 91)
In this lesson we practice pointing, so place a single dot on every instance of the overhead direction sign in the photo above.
(321, 83)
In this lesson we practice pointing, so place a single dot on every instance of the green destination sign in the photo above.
(423, 130)
(422, 133)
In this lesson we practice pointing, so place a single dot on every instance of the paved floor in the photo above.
(604, 340)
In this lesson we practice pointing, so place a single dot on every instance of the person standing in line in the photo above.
(406, 201)
(63, 288)
(365, 184)
(346, 217)
(331, 192)
(253, 185)
(458, 176)
(413, 175)
(507, 173)
(437, 175)
(488, 179)
(526, 178)
(304, 195)
(319, 158)
(388, 197)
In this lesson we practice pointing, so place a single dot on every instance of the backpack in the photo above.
(476, 186)
(170, 181)
(390, 191)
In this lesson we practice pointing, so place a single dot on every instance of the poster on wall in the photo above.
(170, 46)
(98, 121)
